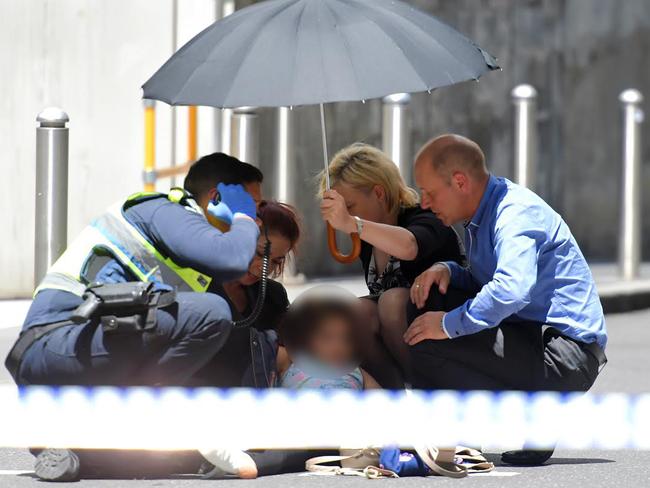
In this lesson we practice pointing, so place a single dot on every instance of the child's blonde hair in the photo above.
(363, 166)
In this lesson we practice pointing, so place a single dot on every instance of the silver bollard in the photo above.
(396, 132)
(284, 184)
(629, 251)
(223, 117)
(525, 100)
(51, 229)
(285, 157)
(244, 137)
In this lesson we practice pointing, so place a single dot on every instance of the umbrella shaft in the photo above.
(325, 156)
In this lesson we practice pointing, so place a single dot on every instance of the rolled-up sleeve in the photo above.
(516, 246)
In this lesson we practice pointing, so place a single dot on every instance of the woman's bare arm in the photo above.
(391, 239)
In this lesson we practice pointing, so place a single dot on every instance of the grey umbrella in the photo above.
(283, 53)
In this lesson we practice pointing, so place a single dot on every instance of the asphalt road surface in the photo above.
(628, 371)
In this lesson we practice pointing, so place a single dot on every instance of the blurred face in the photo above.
(333, 343)
(280, 247)
(368, 205)
(447, 198)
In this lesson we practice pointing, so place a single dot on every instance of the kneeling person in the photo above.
(164, 240)
(525, 314)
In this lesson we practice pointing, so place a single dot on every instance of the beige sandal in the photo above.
(442, 461)
(474, 460)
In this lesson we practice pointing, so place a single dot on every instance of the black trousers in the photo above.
(515, 355)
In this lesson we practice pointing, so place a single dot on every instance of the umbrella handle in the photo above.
(338, 255)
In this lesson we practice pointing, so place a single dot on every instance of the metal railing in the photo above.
(51, 209)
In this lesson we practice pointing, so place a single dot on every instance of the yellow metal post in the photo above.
(192, 134)
(149, 145)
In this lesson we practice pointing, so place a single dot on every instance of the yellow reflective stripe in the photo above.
(142, 194)
(194, 279)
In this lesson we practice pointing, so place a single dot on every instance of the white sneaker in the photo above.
(230, 461)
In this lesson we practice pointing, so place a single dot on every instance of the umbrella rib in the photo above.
(295, 51)
(420, 29)
(243, 58)
(347, 51)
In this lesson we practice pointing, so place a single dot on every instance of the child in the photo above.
(320, 346)
(320, 349)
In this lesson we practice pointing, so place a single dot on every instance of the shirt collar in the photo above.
(487, 194)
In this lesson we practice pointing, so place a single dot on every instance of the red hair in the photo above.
(280, 218)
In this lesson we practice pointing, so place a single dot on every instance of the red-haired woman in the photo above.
(246, 358)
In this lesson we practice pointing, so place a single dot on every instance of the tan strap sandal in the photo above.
(441, 461)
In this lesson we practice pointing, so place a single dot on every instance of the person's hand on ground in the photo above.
(334, 210)
(237, 199)
(437, 274)
(426, 326)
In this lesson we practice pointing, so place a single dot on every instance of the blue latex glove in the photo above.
(237, 199)
(220, 216)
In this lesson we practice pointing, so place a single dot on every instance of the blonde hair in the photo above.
(363, 166)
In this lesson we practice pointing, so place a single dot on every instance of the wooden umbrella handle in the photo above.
(338, 255)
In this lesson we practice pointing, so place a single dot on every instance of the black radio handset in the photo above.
(261, 295)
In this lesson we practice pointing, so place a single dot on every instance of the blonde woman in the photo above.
(399, 242)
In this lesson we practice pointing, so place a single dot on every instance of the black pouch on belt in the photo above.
(123, 307)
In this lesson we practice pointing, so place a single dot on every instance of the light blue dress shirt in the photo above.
(524, 264)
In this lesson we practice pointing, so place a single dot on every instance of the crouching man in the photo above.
(524, 314)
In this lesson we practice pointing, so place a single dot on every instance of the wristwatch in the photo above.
(359, 224)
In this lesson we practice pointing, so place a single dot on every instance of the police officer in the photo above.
(164, 239)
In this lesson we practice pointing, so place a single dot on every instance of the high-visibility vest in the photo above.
(111, 236)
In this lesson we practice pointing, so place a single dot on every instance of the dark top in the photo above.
(185, 236)
(436, 242)
(227, 368)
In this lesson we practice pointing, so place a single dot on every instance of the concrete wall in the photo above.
(90, 58)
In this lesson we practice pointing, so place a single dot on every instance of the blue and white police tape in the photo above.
(178, 418)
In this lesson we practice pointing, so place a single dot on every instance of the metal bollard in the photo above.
(629, 256)
(285, 183)
(244, 138)
(285, 156)
(51, 223)
(396, 132)
(525, 100)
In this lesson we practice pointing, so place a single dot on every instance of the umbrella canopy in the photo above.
(303, 52)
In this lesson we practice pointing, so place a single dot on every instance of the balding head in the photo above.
(451, 174)
(449, 153)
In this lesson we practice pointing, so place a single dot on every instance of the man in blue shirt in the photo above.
(524, 314)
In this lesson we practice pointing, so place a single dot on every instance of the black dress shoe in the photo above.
(57, 465)
(526, 457)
